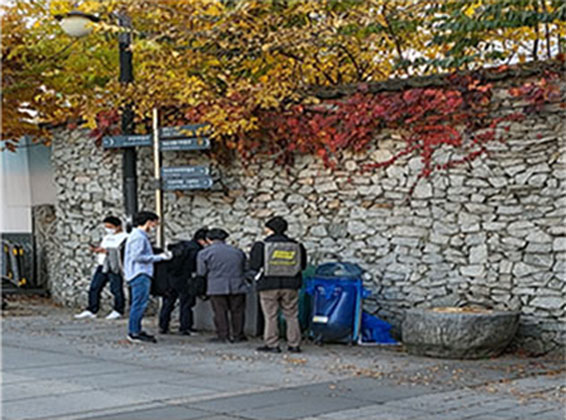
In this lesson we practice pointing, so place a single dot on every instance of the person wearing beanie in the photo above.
(278, 261)
(223, 267)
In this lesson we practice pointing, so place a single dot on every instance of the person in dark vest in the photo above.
(182, 268)
(278, 261)
(223, 267)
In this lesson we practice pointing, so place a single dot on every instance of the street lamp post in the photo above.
(129, 176)
(77, 24)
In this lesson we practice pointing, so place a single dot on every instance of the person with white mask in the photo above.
(108, 270)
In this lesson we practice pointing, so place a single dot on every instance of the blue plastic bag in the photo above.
(375, 330)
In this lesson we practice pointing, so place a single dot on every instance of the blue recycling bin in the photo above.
(337, 292)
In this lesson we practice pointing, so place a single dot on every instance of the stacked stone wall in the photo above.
(489, 233)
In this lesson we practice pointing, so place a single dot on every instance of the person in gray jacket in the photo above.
(223, 267)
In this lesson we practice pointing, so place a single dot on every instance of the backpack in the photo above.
(282, 259)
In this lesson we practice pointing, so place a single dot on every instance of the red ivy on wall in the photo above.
(457, 116)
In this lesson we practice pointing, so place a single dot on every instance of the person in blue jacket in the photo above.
(138, 272)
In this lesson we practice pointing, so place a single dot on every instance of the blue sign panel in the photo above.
(131, 140)
(191, 130)
(195, 143)
(193, 183)
(185, 171)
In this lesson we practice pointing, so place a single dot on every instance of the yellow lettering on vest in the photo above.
(284, 255)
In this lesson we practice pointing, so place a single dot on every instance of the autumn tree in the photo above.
(239, 64)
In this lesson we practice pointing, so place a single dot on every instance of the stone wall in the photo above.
(489, 233)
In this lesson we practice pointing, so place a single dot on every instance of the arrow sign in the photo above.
(193, 183)
(185, 171)
(195, 143)
(138, 140)
(131, 140)
(191, 130)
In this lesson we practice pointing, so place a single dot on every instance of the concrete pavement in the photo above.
(54, 367)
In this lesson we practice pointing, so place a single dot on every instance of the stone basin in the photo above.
(458, 333)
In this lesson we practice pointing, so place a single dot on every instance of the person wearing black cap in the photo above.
(278, 262)
(223, 267)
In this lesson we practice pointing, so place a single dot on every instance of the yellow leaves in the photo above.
(60, 6)
(228, 61)
(471, 9)
(90, 121)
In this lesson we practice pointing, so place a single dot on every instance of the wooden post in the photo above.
(157, 177)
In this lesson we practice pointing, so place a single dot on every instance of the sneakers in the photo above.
(241, 339)
(292, 349)
(114, 315)
(85, 315)
(267, 349)
(185, 332)
(142, 337)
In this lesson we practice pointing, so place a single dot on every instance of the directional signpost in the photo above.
(191, 137)
(139, 140)
(185, 171)
(197, 143)
(131, 140)
(186, 178)
(195, 183)
(191, 130)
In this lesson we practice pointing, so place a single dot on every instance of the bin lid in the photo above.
(339, 269)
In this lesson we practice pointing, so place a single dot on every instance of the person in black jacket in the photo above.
(180, 272)
(278, 291)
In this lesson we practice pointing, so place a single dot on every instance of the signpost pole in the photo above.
(157, 177)
(129, 175)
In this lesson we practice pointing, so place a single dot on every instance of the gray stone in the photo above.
(423, 190)
(377, 241)
(437, 238)
(541, 260)
(410, 231)
(318, 231)
(476, 270)
(357, 228)
(478, 254)
(559, 244)
(538, 247)
(458, 335)
(325, 187)
(538, 236)
(548, 302)
(521, 269)
(509, 210)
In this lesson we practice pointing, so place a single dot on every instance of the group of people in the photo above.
(204, 266)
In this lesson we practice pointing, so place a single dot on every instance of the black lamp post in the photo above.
(77, 24)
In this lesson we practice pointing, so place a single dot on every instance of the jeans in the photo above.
(186, 303)
(99, 280)
(140, 297)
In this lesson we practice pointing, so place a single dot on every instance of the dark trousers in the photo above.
(99, 280)
(235, 305)
(186, 304)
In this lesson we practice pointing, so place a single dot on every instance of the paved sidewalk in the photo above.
(54, 367)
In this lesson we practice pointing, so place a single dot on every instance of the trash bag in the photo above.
(375, 331)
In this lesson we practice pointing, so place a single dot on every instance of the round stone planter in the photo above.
(458, 333)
